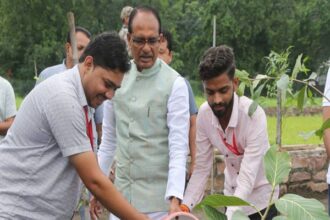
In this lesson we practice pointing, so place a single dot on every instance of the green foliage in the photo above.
(324, 126)
(222, 200)
(297, 207)
(36, 30)
(277, 168)
(212, 213)
(253, 108)
(277, 165)
(239, 215)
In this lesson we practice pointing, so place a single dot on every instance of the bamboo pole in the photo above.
(72, 28)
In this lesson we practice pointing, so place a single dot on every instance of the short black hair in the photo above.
(143, 9)
(78, 29)
(216, 61)
(168, 37)
(108, 51)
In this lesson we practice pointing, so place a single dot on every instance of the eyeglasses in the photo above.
(140, 42)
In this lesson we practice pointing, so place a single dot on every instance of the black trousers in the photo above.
(271, 214)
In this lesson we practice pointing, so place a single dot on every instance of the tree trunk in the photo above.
(279, 118)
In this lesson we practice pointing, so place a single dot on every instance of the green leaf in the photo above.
(301, 99)
(252, 108)
(283, 82)
(281, 218)
(313, 76)
(241, 88)
(258, 78)
(212, 213)
(324, 126)
(243, 76)
(277, 165)
(257, 92)
(218, 200)
(298, 207)
(307, 135)
(297, 67)
(239, 215)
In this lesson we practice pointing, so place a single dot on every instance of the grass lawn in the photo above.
(19, 100)
(293, 126)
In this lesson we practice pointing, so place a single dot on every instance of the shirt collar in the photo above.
(79, 86)
(81, 92)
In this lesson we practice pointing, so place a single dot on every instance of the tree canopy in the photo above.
(34, 31)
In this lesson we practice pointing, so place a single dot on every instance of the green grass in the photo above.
(19, 101)
(292, 127)
(290, 102)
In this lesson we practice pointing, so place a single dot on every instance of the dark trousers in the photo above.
(271, 214)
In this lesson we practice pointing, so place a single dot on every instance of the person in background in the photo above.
(7, 106)
(83, 37)
(223, 122)
(49, 149)
(147, 125)
(124, 16)
(326, 135)
(165, 53)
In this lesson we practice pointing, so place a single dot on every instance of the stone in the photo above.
(299, 162)
(317, 163)
(300, 176)
(294, 187)
(318, 187)
(320, 176)
(283, 189)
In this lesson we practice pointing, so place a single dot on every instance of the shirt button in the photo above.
(233, 187)
(237, 173)
(226, 155)
(133, 99)
(232, 165)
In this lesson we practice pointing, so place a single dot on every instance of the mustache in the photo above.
(222, 104)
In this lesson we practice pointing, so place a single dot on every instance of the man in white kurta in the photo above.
(147, 124)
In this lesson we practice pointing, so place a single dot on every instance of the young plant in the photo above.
(290, 206)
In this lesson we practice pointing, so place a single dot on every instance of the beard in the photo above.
(226, 106)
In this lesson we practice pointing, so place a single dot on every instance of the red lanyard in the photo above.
(89, 128)
(233, 148)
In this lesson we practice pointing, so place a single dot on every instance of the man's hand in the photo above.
(174, 205)
(95, 208)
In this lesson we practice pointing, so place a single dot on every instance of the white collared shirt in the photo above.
(244, 174)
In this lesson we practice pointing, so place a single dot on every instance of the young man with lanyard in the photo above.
(83, 37)
(49, 148)
(223, 123)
